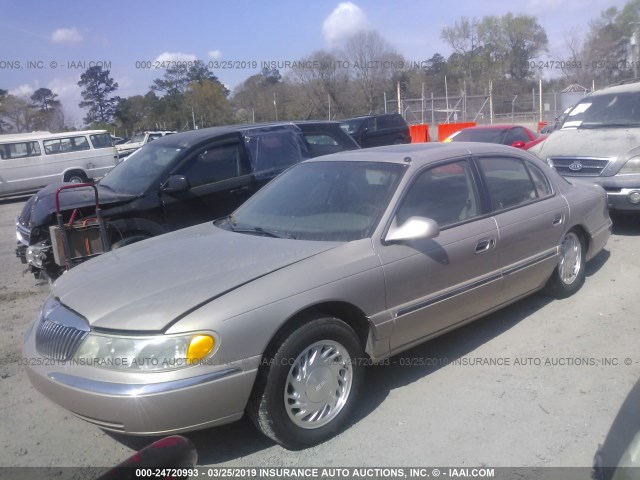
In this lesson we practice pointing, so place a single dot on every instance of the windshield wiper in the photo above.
(261, 231)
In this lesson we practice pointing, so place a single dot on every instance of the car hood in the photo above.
(619, 143)
(40, 208)
(148, 285)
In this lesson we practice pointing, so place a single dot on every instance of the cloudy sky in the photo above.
(49, 44)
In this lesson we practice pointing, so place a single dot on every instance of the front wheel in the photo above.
(305, 392)
(569, 274)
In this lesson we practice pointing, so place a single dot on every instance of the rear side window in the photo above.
(508, 182)
(390, 121)
(273, 151)
(64, 145)
(540, 181)
(19, 150)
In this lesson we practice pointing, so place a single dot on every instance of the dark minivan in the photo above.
(175, 181)
(377, 130)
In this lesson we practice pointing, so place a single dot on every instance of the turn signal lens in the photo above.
(199, 347)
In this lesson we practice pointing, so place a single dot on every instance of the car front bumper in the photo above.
(159, 404)
(623, 191)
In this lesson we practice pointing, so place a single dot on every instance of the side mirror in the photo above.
(518, 144)
(175, 184)
(413, 229)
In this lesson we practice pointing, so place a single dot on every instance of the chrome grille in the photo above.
(57, 341)
(59, 332)
(579, 166)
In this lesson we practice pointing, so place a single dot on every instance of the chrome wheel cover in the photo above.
(318, 384)
(570, 258)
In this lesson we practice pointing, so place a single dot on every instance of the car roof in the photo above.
(193, 137)
(420, 153)
(47, 135)
(369, 116)
(626, 88)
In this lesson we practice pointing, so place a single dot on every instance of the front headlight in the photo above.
(146, 354)
(632, 166)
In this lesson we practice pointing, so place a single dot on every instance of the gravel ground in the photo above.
(559, 382)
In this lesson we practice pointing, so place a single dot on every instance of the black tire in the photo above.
(75, 177)
(567, 279)
(267, 406)
(128, 241)
(399, 141)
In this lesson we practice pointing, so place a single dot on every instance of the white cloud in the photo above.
(23, 91)
(69, 95)
(66, 35)
(345, 20)
(215, 54)
(175, 57)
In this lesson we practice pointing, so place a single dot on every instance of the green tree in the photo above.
(17, 114)
(44, 99)
(97, 87)
(209, 103)
(173, 87)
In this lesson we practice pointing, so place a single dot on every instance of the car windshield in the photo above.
(351, 126)
(488, 135)
(141, 169)
(325, 201)
(601, 111)
(138, 137)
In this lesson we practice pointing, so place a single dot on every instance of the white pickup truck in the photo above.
(138, 140)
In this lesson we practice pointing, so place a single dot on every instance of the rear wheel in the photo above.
(75, 177)
(568, 276)
(305, 392)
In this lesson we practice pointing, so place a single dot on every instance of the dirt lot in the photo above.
(549, 402)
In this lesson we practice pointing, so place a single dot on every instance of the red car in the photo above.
(514, 135)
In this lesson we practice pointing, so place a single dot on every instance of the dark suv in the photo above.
(176, 181)
(377, 130)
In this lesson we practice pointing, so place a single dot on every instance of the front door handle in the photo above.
(485, 244)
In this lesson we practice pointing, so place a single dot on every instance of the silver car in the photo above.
(599, 142)
(339, 262)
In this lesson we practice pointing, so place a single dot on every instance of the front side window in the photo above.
(327, 201)
(516, 134)
(445, 193)
(508, 182)
(19, 150)
(215, 164)
(101, 140)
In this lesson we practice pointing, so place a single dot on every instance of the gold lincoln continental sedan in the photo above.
(274, 310)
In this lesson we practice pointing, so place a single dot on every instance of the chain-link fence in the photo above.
(524, 109)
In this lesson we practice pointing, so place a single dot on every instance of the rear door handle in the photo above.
(558, 219)
(485, 244)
